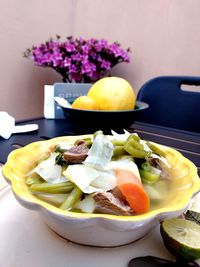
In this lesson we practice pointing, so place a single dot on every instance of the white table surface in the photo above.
(26, 241)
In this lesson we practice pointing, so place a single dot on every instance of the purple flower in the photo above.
(85, 49)
(56, 59)
(116, 50)
(78, 59)
(69, 47)
(87, 67)
(66, 62)
(52, 46)
(100, 45)
(106, 65)
(72, 68)
(125, 57)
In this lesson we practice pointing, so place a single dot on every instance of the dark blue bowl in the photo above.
(100, 119)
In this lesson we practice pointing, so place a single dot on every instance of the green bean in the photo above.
(134, 147)
(119, 151)
(118, 142)
(156, 149)
(136, 144)
(149, 173)
(64, 187)
(146, 166)
(73, 197)
(63, 190)
(133, 137)
(149, 177)
(34, 178)
(135, 153)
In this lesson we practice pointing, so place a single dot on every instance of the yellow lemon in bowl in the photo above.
(113, 93)
(85, 102)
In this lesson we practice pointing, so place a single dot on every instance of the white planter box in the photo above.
(69, 91)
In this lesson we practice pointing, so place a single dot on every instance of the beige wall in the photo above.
(164, 37)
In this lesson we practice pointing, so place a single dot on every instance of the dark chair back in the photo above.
(169, 105)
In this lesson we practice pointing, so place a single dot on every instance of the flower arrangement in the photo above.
(77, 59)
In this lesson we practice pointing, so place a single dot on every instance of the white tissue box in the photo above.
(69, 91)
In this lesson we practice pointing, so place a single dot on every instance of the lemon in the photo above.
(182, 238)
(85, 102)
(113, 93)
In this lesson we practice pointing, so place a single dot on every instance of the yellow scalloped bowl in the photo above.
(100, 229)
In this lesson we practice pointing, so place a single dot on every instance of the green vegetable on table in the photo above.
(181, 237)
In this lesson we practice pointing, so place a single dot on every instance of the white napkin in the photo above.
(7, 126)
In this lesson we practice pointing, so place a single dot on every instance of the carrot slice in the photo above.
(132, 189)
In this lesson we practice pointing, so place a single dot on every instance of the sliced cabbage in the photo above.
(106, 180)
(49, 171)
(90, 180)
(125, 163)
(86, 205)
(100, 153)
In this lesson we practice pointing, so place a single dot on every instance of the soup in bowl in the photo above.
(102, 190)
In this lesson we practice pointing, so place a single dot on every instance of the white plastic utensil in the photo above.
(7, 126)
(25, 128)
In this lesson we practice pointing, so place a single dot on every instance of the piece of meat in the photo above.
(80, 142)
(157, 163)
(76, 154)
(117, 193)
(108, 203)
